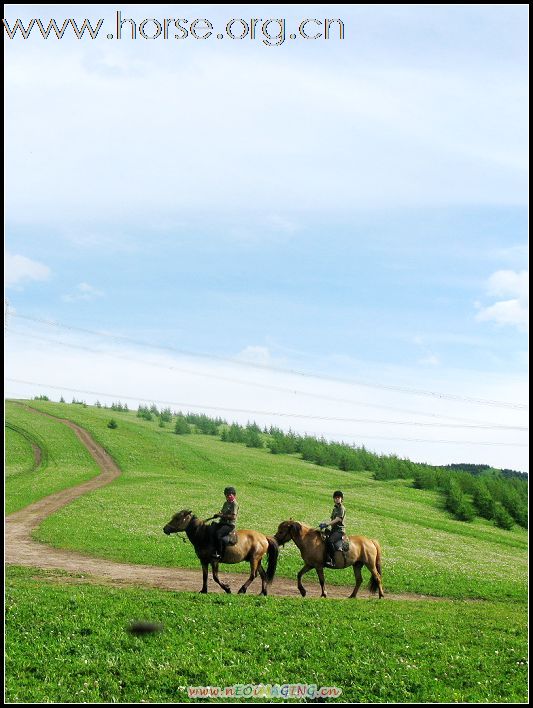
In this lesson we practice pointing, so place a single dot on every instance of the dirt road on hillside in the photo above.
(22, 549)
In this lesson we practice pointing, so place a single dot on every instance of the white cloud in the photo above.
(256, 355)
(280, 223)
(113, 241)
(512, 311)
(430, 360)
(19, 268)
(355, 135)
(508, 282)
(83, 292)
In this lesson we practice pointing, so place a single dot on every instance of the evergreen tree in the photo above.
(182, 427)
(253, 438)
(483, 500)
(501, 517)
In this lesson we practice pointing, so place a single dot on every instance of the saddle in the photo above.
(230, 539)
(343, 544)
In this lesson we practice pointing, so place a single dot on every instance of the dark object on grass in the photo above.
(141, 627)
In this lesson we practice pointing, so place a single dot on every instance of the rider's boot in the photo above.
(330, 562)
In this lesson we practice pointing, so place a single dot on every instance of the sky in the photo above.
(327, 235)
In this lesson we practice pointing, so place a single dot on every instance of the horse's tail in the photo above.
(374, 586)
(273, 552)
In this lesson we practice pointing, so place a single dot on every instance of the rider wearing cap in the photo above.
(227, 520)
(338, 528)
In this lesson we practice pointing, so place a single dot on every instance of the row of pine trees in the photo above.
(467, 490)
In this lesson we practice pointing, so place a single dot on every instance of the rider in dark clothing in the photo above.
(227, 520)
(338, 528)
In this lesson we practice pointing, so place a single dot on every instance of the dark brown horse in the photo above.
(362, 551)
(251, 546)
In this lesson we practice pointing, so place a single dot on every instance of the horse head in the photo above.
(287, 531)
(178, 522)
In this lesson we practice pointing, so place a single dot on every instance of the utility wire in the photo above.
(218, 377)
(293, 372)
(291, 415)
(174, 403)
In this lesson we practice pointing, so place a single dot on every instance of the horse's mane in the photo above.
(306, 527)
(200, 531)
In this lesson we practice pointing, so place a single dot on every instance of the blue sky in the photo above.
(354, 208)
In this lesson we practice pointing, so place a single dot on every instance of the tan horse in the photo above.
(362, 551)
(251, 546)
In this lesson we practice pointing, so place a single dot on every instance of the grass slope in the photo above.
(66, 462)
(425, 551)
(71, 646)
(19, 453)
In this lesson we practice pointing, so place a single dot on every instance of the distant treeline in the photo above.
(468, 490)
(484, 469)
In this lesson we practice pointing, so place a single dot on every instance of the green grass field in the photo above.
(72, 646)
(66, 642)
(20, 457)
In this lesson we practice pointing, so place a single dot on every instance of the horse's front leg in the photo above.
(253, 572)
(226, 588)
(205, 570)
(321, 578)
(303, 571)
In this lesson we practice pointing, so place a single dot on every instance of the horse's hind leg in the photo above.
(303, 571)
(253, 572)
(380, 586)
(224, 587)
(263, 575)
(320, 573)
(358, 578)
(375, 582)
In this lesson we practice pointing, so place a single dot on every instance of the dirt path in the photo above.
(22, 549)
(37, 455)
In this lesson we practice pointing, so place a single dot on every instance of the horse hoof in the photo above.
(241, 591)
(227, 589)
(202, 592)
(303, 593)
(323, 595)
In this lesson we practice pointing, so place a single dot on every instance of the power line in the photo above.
(303, 415)
(271, 387)
(293, 372)
(174, 403)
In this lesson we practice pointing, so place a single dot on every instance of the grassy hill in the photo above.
(424, 550)
(66, 638)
